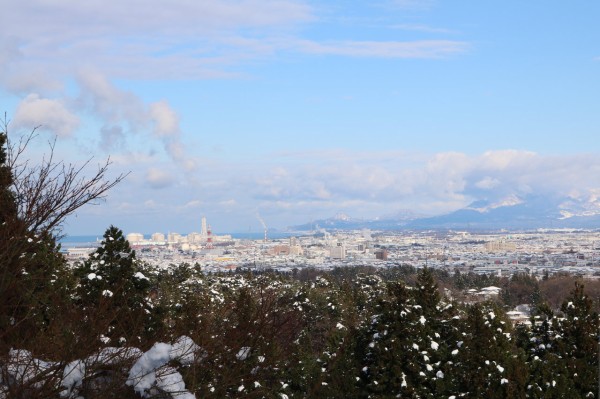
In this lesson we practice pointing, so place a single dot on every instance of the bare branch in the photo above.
(48, 192)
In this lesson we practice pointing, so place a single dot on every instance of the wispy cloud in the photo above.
(389, 49)
(179, 39)
(138, 39)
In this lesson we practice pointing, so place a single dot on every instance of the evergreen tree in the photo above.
(486, 363)
(407, 349)
(577, 342)
(113, 290)
(548, 375)
(385, 349)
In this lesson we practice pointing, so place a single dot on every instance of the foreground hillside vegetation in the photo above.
(114, 327)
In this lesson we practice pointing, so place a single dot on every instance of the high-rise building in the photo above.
(204, 229)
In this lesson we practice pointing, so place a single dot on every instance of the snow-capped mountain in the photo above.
(512, 212)
(580, 206)
(535, 211)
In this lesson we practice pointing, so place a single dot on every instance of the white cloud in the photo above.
(34, 79)
(114, 106)
(166, 122)
(157, 178)
(48, 114)
(441, 183)
(123, 113)
(137, 39)
(96, 18)
(360, 184)
(487, 183)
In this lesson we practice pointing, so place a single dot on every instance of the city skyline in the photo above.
(283, 112)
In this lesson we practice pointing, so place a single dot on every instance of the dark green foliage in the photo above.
(407, 348)
(547, 369)
(577, 342)
(487, 364)
(113, 290)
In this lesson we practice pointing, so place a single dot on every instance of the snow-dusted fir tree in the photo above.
(409, 346)
(548, 375)
(113, 290)
(486, 362)
(576, 342)
(438, 337)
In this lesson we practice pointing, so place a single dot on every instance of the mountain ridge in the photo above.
(512, 212)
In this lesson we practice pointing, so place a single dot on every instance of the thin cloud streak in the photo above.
(145, 40)
(390, 49)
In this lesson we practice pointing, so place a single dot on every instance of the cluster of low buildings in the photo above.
(539, 252)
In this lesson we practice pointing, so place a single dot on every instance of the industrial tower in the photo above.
(209, 242)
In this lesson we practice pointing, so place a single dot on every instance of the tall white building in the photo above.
(204, 229)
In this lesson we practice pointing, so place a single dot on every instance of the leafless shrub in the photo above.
(49, 191)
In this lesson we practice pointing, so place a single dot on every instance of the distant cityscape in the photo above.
(537, 252)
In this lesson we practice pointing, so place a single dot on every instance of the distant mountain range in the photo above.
(511, 213)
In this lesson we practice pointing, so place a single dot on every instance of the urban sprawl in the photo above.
(538, 253)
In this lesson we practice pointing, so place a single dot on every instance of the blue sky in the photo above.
(298, 110)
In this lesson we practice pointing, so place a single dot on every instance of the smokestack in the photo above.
(264, 225)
